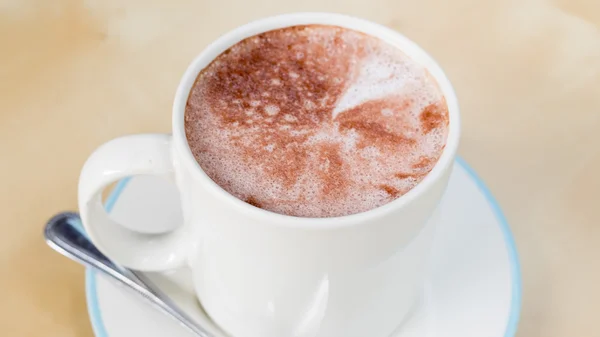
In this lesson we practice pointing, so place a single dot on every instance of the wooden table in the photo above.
(74, 74)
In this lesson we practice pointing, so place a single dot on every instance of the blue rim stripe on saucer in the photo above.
(515, 310)
(90, 275)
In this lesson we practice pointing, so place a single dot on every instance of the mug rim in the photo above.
(222, 43)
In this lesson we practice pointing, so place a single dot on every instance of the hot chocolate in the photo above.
(316, 121)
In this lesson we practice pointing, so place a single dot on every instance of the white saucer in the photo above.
(474, 288)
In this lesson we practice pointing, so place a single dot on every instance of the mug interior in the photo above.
(288, 20)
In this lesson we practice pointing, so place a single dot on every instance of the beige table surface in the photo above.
(74, 74)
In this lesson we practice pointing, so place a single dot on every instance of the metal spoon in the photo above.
(63, 236)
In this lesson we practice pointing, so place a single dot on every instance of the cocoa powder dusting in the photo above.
(375, 129)
(392, 191)
(331, 170)
(259, 121)
(434, 116)
(405, 175)
(252, 201)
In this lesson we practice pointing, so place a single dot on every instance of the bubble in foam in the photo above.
(334, 127)
(272, 110)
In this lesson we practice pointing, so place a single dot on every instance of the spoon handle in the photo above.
(61, 233)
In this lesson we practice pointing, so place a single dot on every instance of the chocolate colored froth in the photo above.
(315, 121)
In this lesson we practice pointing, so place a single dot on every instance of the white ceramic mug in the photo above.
(261, 274)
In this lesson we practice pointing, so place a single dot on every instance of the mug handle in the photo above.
(144, 154)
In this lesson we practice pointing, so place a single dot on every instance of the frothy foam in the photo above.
(316, 121)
